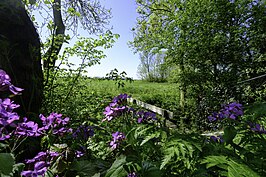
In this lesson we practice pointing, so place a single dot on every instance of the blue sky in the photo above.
(120, 56)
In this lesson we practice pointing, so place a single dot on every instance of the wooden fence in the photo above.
(167, 115)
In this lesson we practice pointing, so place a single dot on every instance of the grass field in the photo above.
(164, 95)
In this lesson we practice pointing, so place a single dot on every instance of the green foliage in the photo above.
(7, 161)
(66, 87)
(119, 78)
(117, 168)
(180, 154)
(211, 46)
(85, 168)
(228, 167)
(153, 67)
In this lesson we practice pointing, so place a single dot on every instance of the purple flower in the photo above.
(118, 137)
(5, 83)
(231, 111)
(39, 157)
(39, 170)
(41, 162)
(215, 116)
(29, 128)
(133, 174)
(15, 90)
(79, 154)
(8, 105)
(117, 107)
(217, 138)
(7, 118)
(257, 128)
(4, 80)
(83, 132)
(109, 113)
(120, 99)
(4, 134)
(81, 151)
(56, 123)
(144, 116)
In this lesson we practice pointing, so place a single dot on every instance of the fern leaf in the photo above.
(212, 161)
(238, 169)
(142, 130)
(149, 137)
(178, 150)
(167, 158)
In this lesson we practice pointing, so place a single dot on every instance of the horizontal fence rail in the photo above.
(163, 112)
(167, 115)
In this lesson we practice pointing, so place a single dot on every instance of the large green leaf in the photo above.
(149, 169)
(231, 167)
(7, 161)
(117, 169)
(84, 168)
(229, 134)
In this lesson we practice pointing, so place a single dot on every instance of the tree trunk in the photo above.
(20, 55)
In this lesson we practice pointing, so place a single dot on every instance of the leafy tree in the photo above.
(62, 20)
(214, 44)
(152, 67)
(65, 15)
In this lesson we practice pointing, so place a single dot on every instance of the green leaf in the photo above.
(84, 167)
(18, 167)
(149, 169)
(141, 131)
(229, 134)
(116, 36)
(147, 138)
(233, 168)
(117, 169)
(97, 175)
(46, 2)
(167, 158)
(238, 169)
(212, 161)
(7, 161)
(3, 146)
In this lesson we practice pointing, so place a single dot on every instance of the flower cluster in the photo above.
(118, 137)
(5, 83)
(27, 128)
(12, 126)
(117, 107)
(144, 116)
(257, 128)
(55, 123)
(41, 162)
(231, 111)
(7, 118)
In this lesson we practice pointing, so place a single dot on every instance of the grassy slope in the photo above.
(164, 95)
